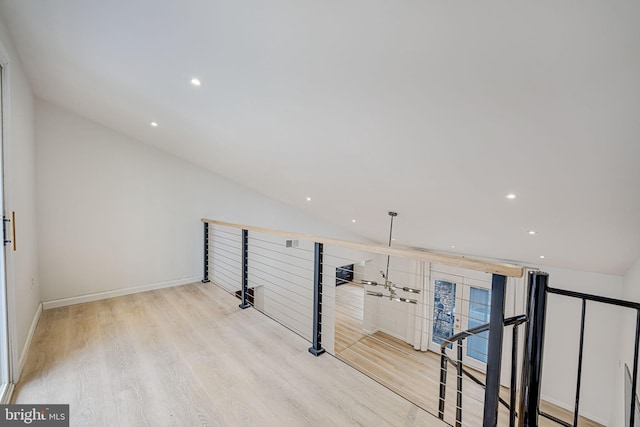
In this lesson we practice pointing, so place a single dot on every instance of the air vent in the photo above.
(291, 243)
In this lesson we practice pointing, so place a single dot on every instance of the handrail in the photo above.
(444, 359)
(596, 298)
(508, 270)
(515, 320)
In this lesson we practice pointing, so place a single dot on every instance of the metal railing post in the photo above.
(205, 274)
(443, 383)
(316, 349)
(245, 270)
(576, 410)
(459, 387)
(634, 380)
(494, 355)
(514, 373)
(530, 384)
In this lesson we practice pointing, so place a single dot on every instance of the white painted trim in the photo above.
(6, 393)
(27, 344)
(571, 408)
(8, 322)
(394, 335)
(62, 302)
(370, 331)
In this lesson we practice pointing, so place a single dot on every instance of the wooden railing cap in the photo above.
(504, 269)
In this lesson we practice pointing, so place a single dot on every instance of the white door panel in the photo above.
(458, 304)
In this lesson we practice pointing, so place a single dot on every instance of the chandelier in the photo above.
(390, 289)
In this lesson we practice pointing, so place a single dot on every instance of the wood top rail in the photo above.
(509, 270)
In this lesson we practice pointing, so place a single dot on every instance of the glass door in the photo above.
(459, 304)
(446, 292)
(476, 307)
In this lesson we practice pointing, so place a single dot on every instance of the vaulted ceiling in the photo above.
(434, 109)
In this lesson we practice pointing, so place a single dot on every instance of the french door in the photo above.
(476, 306)
(458, 304)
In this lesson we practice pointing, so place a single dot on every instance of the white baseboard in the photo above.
(62, 302)
(27, 344)
(571, 408)
(369, 331)
(394, 335)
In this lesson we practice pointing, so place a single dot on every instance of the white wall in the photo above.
(381, 314)
(23, 291)
(116, 214)
(600, 361)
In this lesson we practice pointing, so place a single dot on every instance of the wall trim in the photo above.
(370, 331)
(571, 408)
(63, 302)
(6, 393)
(27, 344)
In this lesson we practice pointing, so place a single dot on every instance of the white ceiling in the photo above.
(434, 109)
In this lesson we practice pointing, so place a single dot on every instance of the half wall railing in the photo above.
(292, 278)
(246, 260)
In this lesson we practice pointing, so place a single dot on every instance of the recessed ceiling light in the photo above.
(510, 196)
(531, 232)
(154, 124)
(541, 256)
(196, 82)
(308, 199)
(353, 220)
(453, 246)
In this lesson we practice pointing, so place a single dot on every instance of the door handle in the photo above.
(12, 220)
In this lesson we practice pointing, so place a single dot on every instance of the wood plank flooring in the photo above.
(413, 374)
(188, 356)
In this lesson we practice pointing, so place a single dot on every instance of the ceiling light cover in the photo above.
(154, 124)
(196, 82)
(510, 196)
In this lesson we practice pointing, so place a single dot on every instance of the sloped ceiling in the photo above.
(433, 109)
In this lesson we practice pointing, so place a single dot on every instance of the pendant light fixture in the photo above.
(389, 286)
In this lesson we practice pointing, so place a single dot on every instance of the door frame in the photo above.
(7, 325)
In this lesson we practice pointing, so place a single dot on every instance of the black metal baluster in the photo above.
(205, 275)
(579, 379)
(514, 373)
(530, 385)
(494, 356)
(634, 381)
(459, 387)
(245, 269)
(443, 383)
(316, 349)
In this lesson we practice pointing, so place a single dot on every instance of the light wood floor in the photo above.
(188, 356)
(413, 374)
